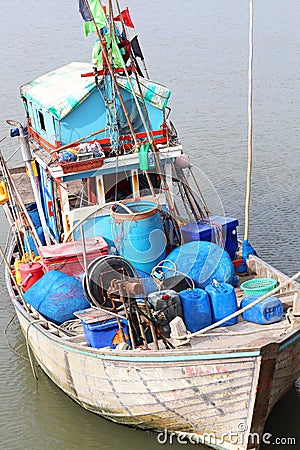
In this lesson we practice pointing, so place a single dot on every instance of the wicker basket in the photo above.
(258, 286)
(80, 166)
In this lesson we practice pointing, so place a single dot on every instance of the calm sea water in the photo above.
(200, 50)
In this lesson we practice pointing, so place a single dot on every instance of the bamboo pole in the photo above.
(78, 140)
(133, 92)
(110, 69)
(182, 194)
(24, 210)
(199, 190)
(202, 215)
(250, 98)
(133, 60)
(187, 193)
(128, 77)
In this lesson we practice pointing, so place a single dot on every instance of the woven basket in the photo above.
(258, 286)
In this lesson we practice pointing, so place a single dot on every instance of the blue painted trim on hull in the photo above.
(164, 359)
(286, 344)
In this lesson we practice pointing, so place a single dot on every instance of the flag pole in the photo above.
(132, 55)
(134, 62)
(110, 69)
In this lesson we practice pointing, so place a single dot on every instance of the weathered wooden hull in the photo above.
(217, 398)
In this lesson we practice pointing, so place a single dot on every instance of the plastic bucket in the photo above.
(138, 233)
(30, 273)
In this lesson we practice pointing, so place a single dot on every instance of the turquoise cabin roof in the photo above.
(61, 90)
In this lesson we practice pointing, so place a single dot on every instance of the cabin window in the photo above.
(25, 106)
(42, 120)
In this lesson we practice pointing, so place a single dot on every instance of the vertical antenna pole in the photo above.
(250, 85)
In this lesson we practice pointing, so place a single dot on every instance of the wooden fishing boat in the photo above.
(106, 200)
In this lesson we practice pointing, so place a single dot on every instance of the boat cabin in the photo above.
(66, 104)
(65, 108)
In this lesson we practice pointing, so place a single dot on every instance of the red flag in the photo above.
(126, 18)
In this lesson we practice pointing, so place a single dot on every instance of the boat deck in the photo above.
(242, 335)
(22, 182)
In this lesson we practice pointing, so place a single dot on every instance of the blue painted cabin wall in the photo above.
(86, 118)
(52, 131)
(156, 115)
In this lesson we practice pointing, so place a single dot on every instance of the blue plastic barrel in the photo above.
(29, 242)
(34, 215)
(196, 309)
(269, 310)
(138, 234)
(223, 302)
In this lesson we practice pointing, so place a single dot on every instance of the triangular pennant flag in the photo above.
(126, 18)
(135, 45)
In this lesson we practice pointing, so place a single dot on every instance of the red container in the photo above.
(68, 257)
(30, 273)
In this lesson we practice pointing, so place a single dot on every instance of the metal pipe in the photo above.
(12, 187)
(27, 158)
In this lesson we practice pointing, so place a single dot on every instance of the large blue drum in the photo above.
(138, 233)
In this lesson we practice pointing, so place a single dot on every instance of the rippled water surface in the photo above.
(200, 50)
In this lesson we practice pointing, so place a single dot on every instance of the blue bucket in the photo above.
(138, 233)
(29, 243)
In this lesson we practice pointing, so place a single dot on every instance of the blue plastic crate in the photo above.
(208, 232)
(105, 333)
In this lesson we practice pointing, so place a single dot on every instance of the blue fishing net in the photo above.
(203, 262)
(57, 296)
